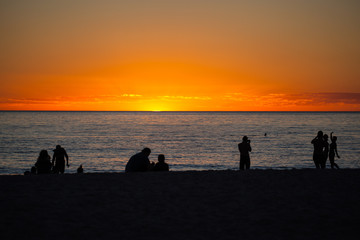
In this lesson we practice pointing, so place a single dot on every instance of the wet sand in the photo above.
(255, 204)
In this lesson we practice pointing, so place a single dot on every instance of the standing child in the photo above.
(333, 151)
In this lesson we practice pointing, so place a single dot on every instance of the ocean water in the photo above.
(104, 141)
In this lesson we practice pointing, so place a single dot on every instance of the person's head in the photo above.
(334, 138)
(161, 158)
(43, 154)
(320, 134)
(146, 151)
(326, 137)
(245, 138)
(58, 146)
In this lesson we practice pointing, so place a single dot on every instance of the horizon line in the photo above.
(164, 111)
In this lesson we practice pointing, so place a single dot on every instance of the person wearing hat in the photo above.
(244, 149)
(59, 159)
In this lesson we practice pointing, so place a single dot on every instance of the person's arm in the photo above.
(150, 165)
(331, 138)
(249, 146)
(67, 158)
(312, 142)
(53, 159)
(336, 151)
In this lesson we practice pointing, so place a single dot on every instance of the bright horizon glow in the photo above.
(159, 55)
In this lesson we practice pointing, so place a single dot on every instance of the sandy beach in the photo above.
(255, 204)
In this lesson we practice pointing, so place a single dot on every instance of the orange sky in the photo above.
(180, 55)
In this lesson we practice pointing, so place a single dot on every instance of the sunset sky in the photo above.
(181, 55)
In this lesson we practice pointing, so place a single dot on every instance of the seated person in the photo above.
(139, 162)
(80, 169)
(161, 165)
(43, 164)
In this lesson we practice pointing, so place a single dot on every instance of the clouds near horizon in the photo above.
(180, 55)
(241, 101)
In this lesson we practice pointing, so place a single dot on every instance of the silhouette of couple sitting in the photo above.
(322, 151)
(43, 164)
(140, 162)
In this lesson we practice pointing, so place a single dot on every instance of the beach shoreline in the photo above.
(253, 204)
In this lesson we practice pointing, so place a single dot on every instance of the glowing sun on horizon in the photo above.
(157, 107)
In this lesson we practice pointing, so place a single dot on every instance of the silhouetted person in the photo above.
(161, 165)
(244, 149)
(333, 151)
(325, 152)
(139, 162)
(318, 143)
(80, 169)
(59, 159)
(43, 164)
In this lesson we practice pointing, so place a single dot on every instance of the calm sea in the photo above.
(104, 141)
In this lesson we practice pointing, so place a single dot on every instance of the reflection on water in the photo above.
(104, 141)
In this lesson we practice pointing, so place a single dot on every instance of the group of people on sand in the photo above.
(140, 162)
(45, 164)
(323, 150)
(137, 163)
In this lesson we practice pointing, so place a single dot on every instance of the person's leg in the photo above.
(322, 162)
(55, 169)
(242, 163)
(61, 167)
(248, 162)
(331, 159)
(316, 161)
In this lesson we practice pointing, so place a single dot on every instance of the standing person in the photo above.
(318, 143)
(244, 149)
(59, 159)
(333, 151)
(139, 162)
(325, 152)
(43, 164)
(161, 165)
